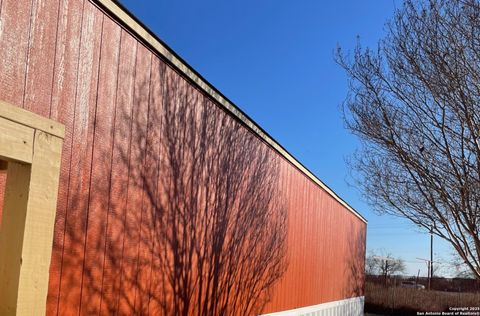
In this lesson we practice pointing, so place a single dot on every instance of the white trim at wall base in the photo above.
(348, 307)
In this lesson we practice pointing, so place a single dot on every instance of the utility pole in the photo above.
(431, 256)
(429, 275)
(429, 265)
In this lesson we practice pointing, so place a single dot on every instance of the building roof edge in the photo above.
(126, 18)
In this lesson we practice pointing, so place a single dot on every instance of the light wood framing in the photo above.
(143, 34)
(30, 149)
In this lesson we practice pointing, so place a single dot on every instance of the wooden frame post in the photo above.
(30, 149)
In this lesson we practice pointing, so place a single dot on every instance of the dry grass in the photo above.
(402, 301)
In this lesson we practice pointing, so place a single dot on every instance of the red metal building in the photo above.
(169, 195)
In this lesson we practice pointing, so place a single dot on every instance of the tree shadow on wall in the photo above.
(185, 214)
(354, 274)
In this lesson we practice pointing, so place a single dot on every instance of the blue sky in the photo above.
(274, 59)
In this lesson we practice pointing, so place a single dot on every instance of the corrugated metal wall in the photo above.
(69, 61)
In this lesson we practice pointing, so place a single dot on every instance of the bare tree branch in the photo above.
(415, 105)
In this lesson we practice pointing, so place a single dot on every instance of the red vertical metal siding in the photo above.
(326, 247)
(69, 61)
(15, 17)
(62, 109)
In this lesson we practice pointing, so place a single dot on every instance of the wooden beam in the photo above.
(26, 231)
(16, 141)
(19, 115)
(39, 224)
(11, 235)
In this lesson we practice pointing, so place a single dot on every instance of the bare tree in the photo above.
(391, 267)
(386, 265)
(371, 264)
(415, 104)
